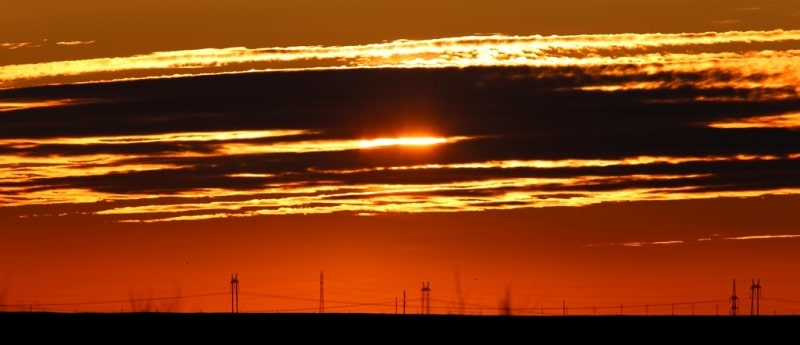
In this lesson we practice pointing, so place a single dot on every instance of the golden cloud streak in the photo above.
(331, 145)
(761, 237)
(706, 239)
(96, 165)
(534, 50)
(774, 69)
(381, 198)
(642, 244)
(250, 175)
(370, 197)
(400, 198)
(74, 43)
(297, 147)
(566, 163)
(17, 45)
(21, 104)
(774, 121)
(222, 148)
(74, 196)
(411, 141)
(153, 138)
(400, 203)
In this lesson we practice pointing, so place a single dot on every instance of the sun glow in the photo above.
(409, 141)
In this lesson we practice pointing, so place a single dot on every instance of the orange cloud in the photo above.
(653, 49)
(762, 237)
(23, 104)
(18, 45)
(74, 43)
(88, 169)
(791, 120)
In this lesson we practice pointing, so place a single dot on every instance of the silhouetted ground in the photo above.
(390, 328)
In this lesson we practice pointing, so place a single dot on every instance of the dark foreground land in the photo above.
(391, 328)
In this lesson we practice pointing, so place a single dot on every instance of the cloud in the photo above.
(42, 43)
(748, 9)
(791, 120)
(493, 50)
(726, 21)
(678, 242)
(74, 43)
(763, 237)
(526, 122)
(17, 45)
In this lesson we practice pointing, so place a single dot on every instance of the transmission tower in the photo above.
(426, 298)
(755, 296)
(321, 295)
(235, 293)
(734, 300)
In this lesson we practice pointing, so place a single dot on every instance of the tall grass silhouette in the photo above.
(149, 303)
(4, 297)
(505, 307)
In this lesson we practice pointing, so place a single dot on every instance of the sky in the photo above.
(503, 157)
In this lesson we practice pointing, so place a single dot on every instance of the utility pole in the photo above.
(426, 298)
(235, 293)
(734, 300)
(755, 295)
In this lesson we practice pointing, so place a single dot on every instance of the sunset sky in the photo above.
(523, 157)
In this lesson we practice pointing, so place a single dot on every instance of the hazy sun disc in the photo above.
(413, 141)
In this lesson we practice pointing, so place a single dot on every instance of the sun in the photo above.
(402, 141)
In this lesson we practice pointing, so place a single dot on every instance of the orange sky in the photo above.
(98, 216)
(125, 28)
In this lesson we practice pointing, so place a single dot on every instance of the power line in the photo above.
(456, 305)
(73, 304)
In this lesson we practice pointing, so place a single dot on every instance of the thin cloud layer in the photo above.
(42, 43)
(646, 51)
(450, 125)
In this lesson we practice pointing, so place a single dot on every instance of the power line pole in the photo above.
(755, 294)
(734, 300)
(235, 293)
(426, 298)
